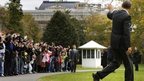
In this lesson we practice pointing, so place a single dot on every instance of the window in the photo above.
(84, 53)
(92, 53)
(98, 54)
(88, 54)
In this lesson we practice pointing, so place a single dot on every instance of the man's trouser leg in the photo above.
(116, 62)
(129, 75)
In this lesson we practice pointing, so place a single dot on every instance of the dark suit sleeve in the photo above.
(109, 15)
(127, 25)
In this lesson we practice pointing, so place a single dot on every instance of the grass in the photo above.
(79, 67)
(86, 76)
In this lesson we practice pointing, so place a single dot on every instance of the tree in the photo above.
(98, 28)
(15, 16)
(3, 18)
(30, 28)
(78, 25)
(137, 14)
(137, 20)
(60, 30)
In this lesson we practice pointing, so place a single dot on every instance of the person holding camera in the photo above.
(2, 56)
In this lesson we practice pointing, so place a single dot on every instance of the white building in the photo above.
(99, 1)
(91, 54)
(79, 10)
(43, 16)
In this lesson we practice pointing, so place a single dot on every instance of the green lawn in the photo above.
(86, 76)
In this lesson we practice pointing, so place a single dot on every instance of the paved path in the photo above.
(33, 77)
(27, 77)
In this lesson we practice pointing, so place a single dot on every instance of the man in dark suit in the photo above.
(73, 57)
(136, 57)
(120, 43)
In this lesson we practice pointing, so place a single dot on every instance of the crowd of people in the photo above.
(18, 55)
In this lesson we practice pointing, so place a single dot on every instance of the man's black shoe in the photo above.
(95, 77)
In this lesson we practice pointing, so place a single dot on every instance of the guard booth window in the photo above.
(84, 53)
(88, 53)
(98, 55)
(92, 53)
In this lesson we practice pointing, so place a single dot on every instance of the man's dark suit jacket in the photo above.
(121, 23)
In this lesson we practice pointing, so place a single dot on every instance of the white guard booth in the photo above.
(91, 54)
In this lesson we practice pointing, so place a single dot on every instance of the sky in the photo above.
(28, 4)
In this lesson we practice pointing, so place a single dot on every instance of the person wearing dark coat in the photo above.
(120, 43)
(136, 59)
(2, 55)
(73, 57)
(109, 55)
(9, 56)
(104, 58)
